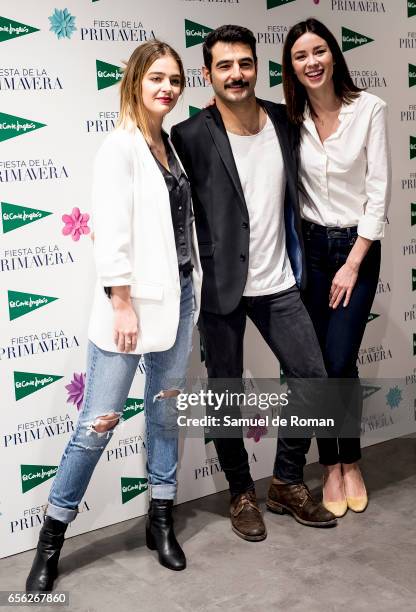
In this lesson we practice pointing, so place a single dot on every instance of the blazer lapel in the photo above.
(216, 128)
(156, 193)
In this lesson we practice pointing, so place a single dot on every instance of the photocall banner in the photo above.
(61, 62)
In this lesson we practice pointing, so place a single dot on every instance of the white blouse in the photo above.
(346, 180)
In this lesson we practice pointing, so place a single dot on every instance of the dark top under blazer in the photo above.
(221, 215)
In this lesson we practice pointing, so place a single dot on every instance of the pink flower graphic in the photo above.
(76, 390)
(76, 224)
(256, 431)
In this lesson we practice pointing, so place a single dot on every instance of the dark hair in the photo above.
(296, 97)
(228, 34)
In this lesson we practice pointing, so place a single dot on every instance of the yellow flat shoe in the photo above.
(338, 508)
(357, 504)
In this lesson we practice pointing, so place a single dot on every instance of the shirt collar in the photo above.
(346, 109)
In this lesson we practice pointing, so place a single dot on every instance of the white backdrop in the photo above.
(59, 68)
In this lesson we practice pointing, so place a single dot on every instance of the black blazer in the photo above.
(221, 215)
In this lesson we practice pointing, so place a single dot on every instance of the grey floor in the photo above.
(367, 562)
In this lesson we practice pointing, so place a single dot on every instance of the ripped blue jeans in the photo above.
(108, 381)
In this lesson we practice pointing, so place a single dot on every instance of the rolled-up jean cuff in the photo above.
(65, 515)
(162, 491)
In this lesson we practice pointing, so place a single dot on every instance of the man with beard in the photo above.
(240, 157)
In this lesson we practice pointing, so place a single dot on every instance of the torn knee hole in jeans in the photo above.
(103, 424)
(167, 394)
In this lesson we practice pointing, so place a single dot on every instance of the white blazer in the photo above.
(134, 244)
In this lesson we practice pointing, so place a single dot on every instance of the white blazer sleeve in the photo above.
(112, 207)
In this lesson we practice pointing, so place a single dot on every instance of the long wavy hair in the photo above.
(132, 109)
(296, 97)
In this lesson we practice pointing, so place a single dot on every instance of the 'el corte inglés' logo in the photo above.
(369, 390)
(33, 475)
(132, 407)
(413, 213)
(107, 74)
(351, 39)
(411, 8)
(275, 74)
(13, 29)
(22, 303)
(26, 383)
(412, 75)
(193, 110)
(273, 3)
(195, 33)
(132, 487)
(11, 126)
(14, 216)
(412, 147)
(372, 316)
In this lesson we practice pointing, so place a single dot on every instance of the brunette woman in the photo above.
(345, 190)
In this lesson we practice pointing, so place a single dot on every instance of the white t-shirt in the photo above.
(260, 167)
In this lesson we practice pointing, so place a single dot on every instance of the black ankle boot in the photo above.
(160, 535)
(45, 564)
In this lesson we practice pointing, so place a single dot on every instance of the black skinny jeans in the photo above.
(283, 321)
(340, 331)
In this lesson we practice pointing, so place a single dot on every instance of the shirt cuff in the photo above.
(371, 228)
(116, 281)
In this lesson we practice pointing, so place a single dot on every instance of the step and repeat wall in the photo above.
(60, 65)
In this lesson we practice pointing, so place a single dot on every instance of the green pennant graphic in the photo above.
(414, 279)
(11, 126)
(193, 110)
(33, 475)
(413, 213)
(13, 29)
(351, 39)
(195, 33)
(368, 390)
(372, 316)
(275, 74)
(132, 487)
(107, 74)
(411, 8)
(273, 3)
(412, 75)
(22, 303)
(14, 216)
(412, 147)
(26, 383)
(132, 407)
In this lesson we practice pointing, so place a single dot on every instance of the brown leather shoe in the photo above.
(296, 500)
(246, 519)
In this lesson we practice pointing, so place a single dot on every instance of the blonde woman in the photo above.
(146, 301)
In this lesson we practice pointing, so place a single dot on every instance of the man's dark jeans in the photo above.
(340, 331)
(285, 325)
